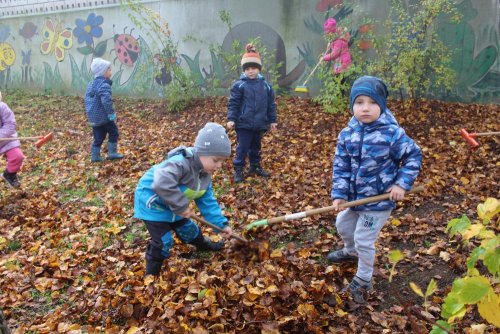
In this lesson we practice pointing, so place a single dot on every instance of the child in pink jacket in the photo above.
(338, 52)
(10, 148)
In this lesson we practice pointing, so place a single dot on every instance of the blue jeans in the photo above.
(249, 143)
(101, 131)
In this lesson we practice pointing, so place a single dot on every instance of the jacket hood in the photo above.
(98, 82)
(385, 118)
(188, 152)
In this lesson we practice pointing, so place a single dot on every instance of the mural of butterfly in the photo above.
(56, 39)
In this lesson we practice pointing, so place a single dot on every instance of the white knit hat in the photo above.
(99, 66)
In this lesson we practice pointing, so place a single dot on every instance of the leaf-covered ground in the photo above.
(72, 258)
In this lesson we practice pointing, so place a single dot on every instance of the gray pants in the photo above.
(359, 231)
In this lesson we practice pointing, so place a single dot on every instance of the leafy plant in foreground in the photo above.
(477, 287)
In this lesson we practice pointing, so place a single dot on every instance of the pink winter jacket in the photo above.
(7, 129)
(338, 53)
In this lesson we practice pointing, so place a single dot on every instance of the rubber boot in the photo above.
(11, 179)
(153, 267)
(238, 174)
(203, 243)
(95, 154)
(257, 170)
(112, 151)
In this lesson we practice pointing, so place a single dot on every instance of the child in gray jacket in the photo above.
(163, 195)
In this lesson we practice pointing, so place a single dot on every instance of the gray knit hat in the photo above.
(99, 66)
(213, 140)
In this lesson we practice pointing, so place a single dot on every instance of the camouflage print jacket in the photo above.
(370, 158)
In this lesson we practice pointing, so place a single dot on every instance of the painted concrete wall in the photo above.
(48, 45)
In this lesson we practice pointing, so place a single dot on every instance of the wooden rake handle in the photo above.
(486, 134)
(21, 138)
(326, 209)
(215, 227)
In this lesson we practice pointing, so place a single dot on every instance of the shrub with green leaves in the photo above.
(478, 286)
(182, 89)
(410, 56)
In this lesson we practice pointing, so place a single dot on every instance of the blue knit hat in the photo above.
(372, 87)
(99, 66)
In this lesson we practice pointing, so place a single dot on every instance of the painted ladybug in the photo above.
(127, 48)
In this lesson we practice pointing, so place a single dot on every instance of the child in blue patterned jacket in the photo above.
(100, 112)
(163, 195)
(373, 156)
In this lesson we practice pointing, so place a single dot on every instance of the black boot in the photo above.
(238, 174)
(257, 169)
(153, 267)
(203, 243)
(11, 179)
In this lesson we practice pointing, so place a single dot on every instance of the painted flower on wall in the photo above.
(85, 31)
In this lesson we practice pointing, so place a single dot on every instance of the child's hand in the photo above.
(187, 213)
(396, 193)
(227, 232)
(273, 126)
(230, 125)
(337, 203)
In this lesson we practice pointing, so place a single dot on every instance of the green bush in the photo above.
(410, 56)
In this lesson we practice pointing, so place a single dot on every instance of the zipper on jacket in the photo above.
(359, 160)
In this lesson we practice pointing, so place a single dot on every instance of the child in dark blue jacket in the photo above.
(100, 112)
(373, 156)
(251, 111)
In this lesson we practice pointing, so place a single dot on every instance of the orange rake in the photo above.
(469, 137)
(42, 140)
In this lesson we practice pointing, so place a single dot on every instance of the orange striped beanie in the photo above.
(251, 58)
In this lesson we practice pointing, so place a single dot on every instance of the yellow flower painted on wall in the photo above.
(7, 56)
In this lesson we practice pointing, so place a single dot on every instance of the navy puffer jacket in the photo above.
(98, 101)
(251, 104)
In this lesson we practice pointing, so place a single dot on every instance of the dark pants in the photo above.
(249, 143)
(101, 131)
(162, 239)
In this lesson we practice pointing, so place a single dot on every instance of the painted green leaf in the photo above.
(100, 48)
(218, 66)
(194, 66)
(470, 290)
(85, 50)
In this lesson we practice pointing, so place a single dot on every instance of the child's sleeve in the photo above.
(166, 184)
(106, 98)
(341, 171)
(234, 104)
(8, 119)
(210, 209)
(271, 106)
(334, 52)
(409, 156)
